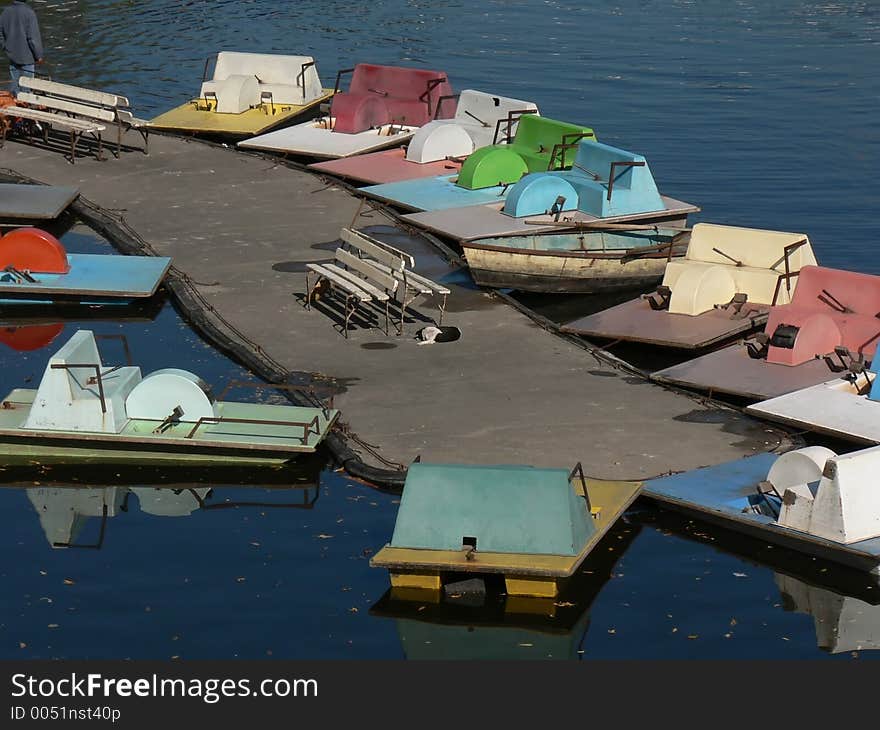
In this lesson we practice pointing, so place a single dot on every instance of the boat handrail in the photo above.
(301, 76)
(313, 426)
(569, 141)
(97, 367)
(578, 471)
(339, 78)
(440, 101)
(512, 118)
(309, 390)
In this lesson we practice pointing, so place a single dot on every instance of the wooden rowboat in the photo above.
(585, 262)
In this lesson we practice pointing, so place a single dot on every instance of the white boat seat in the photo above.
(234, 94)
(290, 79)
(71, 396)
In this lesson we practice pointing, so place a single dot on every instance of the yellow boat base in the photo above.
(198, 117)
(418, 574)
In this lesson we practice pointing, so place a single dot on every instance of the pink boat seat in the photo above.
(380, 95)
(830, 308)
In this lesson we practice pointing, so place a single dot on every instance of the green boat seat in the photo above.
(539, 144)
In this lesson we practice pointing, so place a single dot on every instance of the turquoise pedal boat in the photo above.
(86, 411)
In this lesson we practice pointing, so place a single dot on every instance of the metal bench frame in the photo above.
(76, 127)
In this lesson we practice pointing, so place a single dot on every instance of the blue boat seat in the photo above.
(78, 393)
(607, 181)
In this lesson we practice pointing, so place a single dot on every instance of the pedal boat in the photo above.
(441, 145)
(723, 287)
(35, 269)
(831, 322)
(86, 411)
(248, 94)
(533, 526)
(810, 500)
(383, 107)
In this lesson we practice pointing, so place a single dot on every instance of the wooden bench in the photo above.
(75, 127)
(398, 264)
(360, 280)
(76, 101)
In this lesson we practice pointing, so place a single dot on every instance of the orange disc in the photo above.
(30, 249)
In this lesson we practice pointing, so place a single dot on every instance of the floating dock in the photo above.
(243, 227)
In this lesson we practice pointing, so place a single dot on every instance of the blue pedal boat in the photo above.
(35, 269)
(809, 500)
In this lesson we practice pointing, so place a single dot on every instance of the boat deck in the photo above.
(95, 275)
(509, 391)
(188, 118)
(719, 493)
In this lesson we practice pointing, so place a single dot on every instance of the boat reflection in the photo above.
(475, 624)
(66, 507)
(844, 602)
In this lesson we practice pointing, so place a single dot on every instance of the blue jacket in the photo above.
(20, 34)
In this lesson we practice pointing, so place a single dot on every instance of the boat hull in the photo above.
(558, 272)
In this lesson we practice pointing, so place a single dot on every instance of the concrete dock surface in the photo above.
(242, 227)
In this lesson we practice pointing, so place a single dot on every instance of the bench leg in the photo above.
(349, 310)
(100, 154)
(146, 135)
(118, 141)
(387, 304)
(442, 310)
(74, 139)
(309, 291)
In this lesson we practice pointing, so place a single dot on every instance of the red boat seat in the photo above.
(379, 95)
(829, 308)
(34, 250)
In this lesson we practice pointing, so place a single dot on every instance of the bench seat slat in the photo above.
(366, 267)
(424, 281)
(365, 285)
(55, 120)
(342, 281)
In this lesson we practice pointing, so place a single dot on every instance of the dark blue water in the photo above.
(762, 113)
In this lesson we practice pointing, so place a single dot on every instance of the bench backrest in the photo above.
(370, 272)
(539, 135)
(752, 247)
(73, 93)
(487, 108)
(395, 260)
(65, 105)
(404, 84)
(596, 158)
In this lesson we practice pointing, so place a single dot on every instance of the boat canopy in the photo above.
(603, 181)
(242, 81)
(723, 261)
(539, 144)
(380, 95)
(481, 119)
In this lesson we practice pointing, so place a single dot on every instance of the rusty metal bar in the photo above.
(569, 141)
(339, 78)
(301, 77)
(578, 471)
(306, 427)
(125, 347)
(512, 118)
(628, 163)
(97, 368)
(779, 280)
(441, 100)
(431, 85)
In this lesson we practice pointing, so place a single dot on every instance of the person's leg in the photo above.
(15, 75)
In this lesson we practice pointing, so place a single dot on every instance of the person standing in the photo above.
(20, 36)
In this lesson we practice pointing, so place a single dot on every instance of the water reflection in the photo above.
(75, 516)
(486, 624)
(843, 623)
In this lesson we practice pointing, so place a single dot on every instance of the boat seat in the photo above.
(480, 119)
(379, 95)
(840, 502)
(289, 79)
(234, 94)
(725, 260)
(536, 140)
(830, 308)
(71, 397)
(603, 181)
